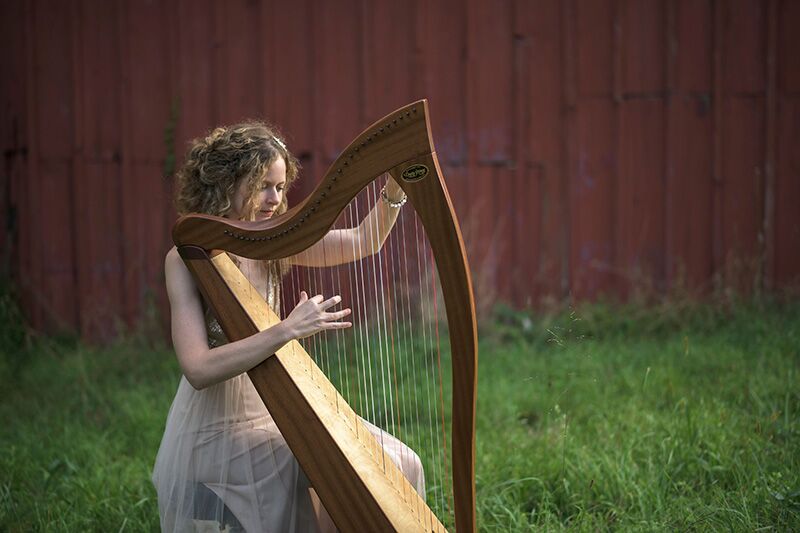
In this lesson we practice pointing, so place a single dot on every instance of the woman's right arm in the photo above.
(204, 366)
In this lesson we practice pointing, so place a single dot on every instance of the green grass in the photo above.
(642, 420)
(674, 418)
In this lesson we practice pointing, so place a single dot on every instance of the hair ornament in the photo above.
(279, 143)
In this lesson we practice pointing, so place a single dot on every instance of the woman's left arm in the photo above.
(341, 246)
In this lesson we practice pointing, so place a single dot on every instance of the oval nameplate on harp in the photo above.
(415, 172)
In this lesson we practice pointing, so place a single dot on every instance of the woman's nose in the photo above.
(272, 197)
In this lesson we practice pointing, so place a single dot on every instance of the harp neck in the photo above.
(401, 137)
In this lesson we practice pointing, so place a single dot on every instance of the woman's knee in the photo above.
(412, 469)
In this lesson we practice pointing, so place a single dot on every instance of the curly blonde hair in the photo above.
(217, 163)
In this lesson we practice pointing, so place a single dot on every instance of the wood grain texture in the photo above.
(356, 501)
(517, 86)
(361, 487)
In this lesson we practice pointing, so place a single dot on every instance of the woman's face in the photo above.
(268, 197)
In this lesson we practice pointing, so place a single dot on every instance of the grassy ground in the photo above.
(674, 419)
(602, 419)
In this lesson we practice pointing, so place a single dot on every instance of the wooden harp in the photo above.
(360, 488)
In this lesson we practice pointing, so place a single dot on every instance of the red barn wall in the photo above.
(593, 147)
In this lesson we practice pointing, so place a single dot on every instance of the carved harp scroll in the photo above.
(330, 447)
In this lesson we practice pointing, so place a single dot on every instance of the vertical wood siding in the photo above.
(593, 147)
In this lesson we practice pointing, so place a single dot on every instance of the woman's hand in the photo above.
(310, 316)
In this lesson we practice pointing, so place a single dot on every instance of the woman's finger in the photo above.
(337, 314)
(337, 325)
(330, 302)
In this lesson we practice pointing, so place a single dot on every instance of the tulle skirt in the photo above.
(223, 463)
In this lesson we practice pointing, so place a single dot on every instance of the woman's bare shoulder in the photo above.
(173, 252)
(173, 262)
(172, 256)
(176, 274)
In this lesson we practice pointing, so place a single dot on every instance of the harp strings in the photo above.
(363, 327)
(389, 365)
(434, 409)
(409, 367)
(438, 345)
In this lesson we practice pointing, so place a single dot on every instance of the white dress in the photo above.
(224, 466)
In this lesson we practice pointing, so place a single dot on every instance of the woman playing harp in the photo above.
(222, 461)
